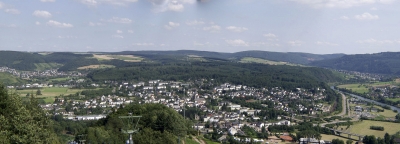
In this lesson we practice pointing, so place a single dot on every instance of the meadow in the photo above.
(48, 94)
(358, 88)
(363, 128)
(262, 61)
(128, 58)
(101, 66)
(331, 137)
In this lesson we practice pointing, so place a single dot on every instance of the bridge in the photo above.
(335, 131)
(349, 135)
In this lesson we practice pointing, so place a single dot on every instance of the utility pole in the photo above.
(129, 125)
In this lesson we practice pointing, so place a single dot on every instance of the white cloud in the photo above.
(130, 31)
(118, 2)
(119, 31)
(171, 25)
(237, 42)
(374, 8)
(341, 3)
(236, 29)
(366, 16)
(1, 5)
(37, 23)
(270, 35)
(213, 28)
(12, 11)
(118, 36)
(325, 43)
(42, 14)
(195, 22)
(175, 7)
(344, 18)
(59, 24)
(120, 20)
(95, 24)
(170, 5)
(47, 0)
(89, 2)
(374, 41)
(295, 43)
(143, 44)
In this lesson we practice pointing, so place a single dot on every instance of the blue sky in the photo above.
(312, 26)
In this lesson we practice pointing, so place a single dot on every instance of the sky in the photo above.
(311, 26)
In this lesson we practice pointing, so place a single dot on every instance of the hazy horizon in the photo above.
(307, 26)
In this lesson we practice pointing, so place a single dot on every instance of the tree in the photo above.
(370, 139)
(21, 123)
(349, 141)
(38, 92)
(337, 141)
(387, 138)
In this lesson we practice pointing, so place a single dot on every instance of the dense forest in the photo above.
(381, 63)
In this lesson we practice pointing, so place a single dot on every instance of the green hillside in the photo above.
(382, 63)
(8, 79)
(20, 60)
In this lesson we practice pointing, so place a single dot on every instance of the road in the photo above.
(343, 105)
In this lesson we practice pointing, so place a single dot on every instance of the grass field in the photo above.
(393, 99)
(363, 128)
(262, 61)
(49, 92)
(60, 79)
(128, 58)
(331, 137)
(355, 87)
(190, 141)
(96, 67)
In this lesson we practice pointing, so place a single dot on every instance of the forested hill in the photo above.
(20, 60)
(33, 61)
(381, 63)
(257, 75)
(292, 57)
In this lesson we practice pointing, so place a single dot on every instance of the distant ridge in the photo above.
(380, 63)
(292, 57)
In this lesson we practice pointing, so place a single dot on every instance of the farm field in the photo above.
(393, 99)
(128, 58)
(45, 66)
(60, 79)
(262, 61)
(363, 128)
(331, 137)
(49, 94)
(52, 92)
(358, 88)
(96, 67)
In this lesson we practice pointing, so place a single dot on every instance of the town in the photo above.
(216, 107)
